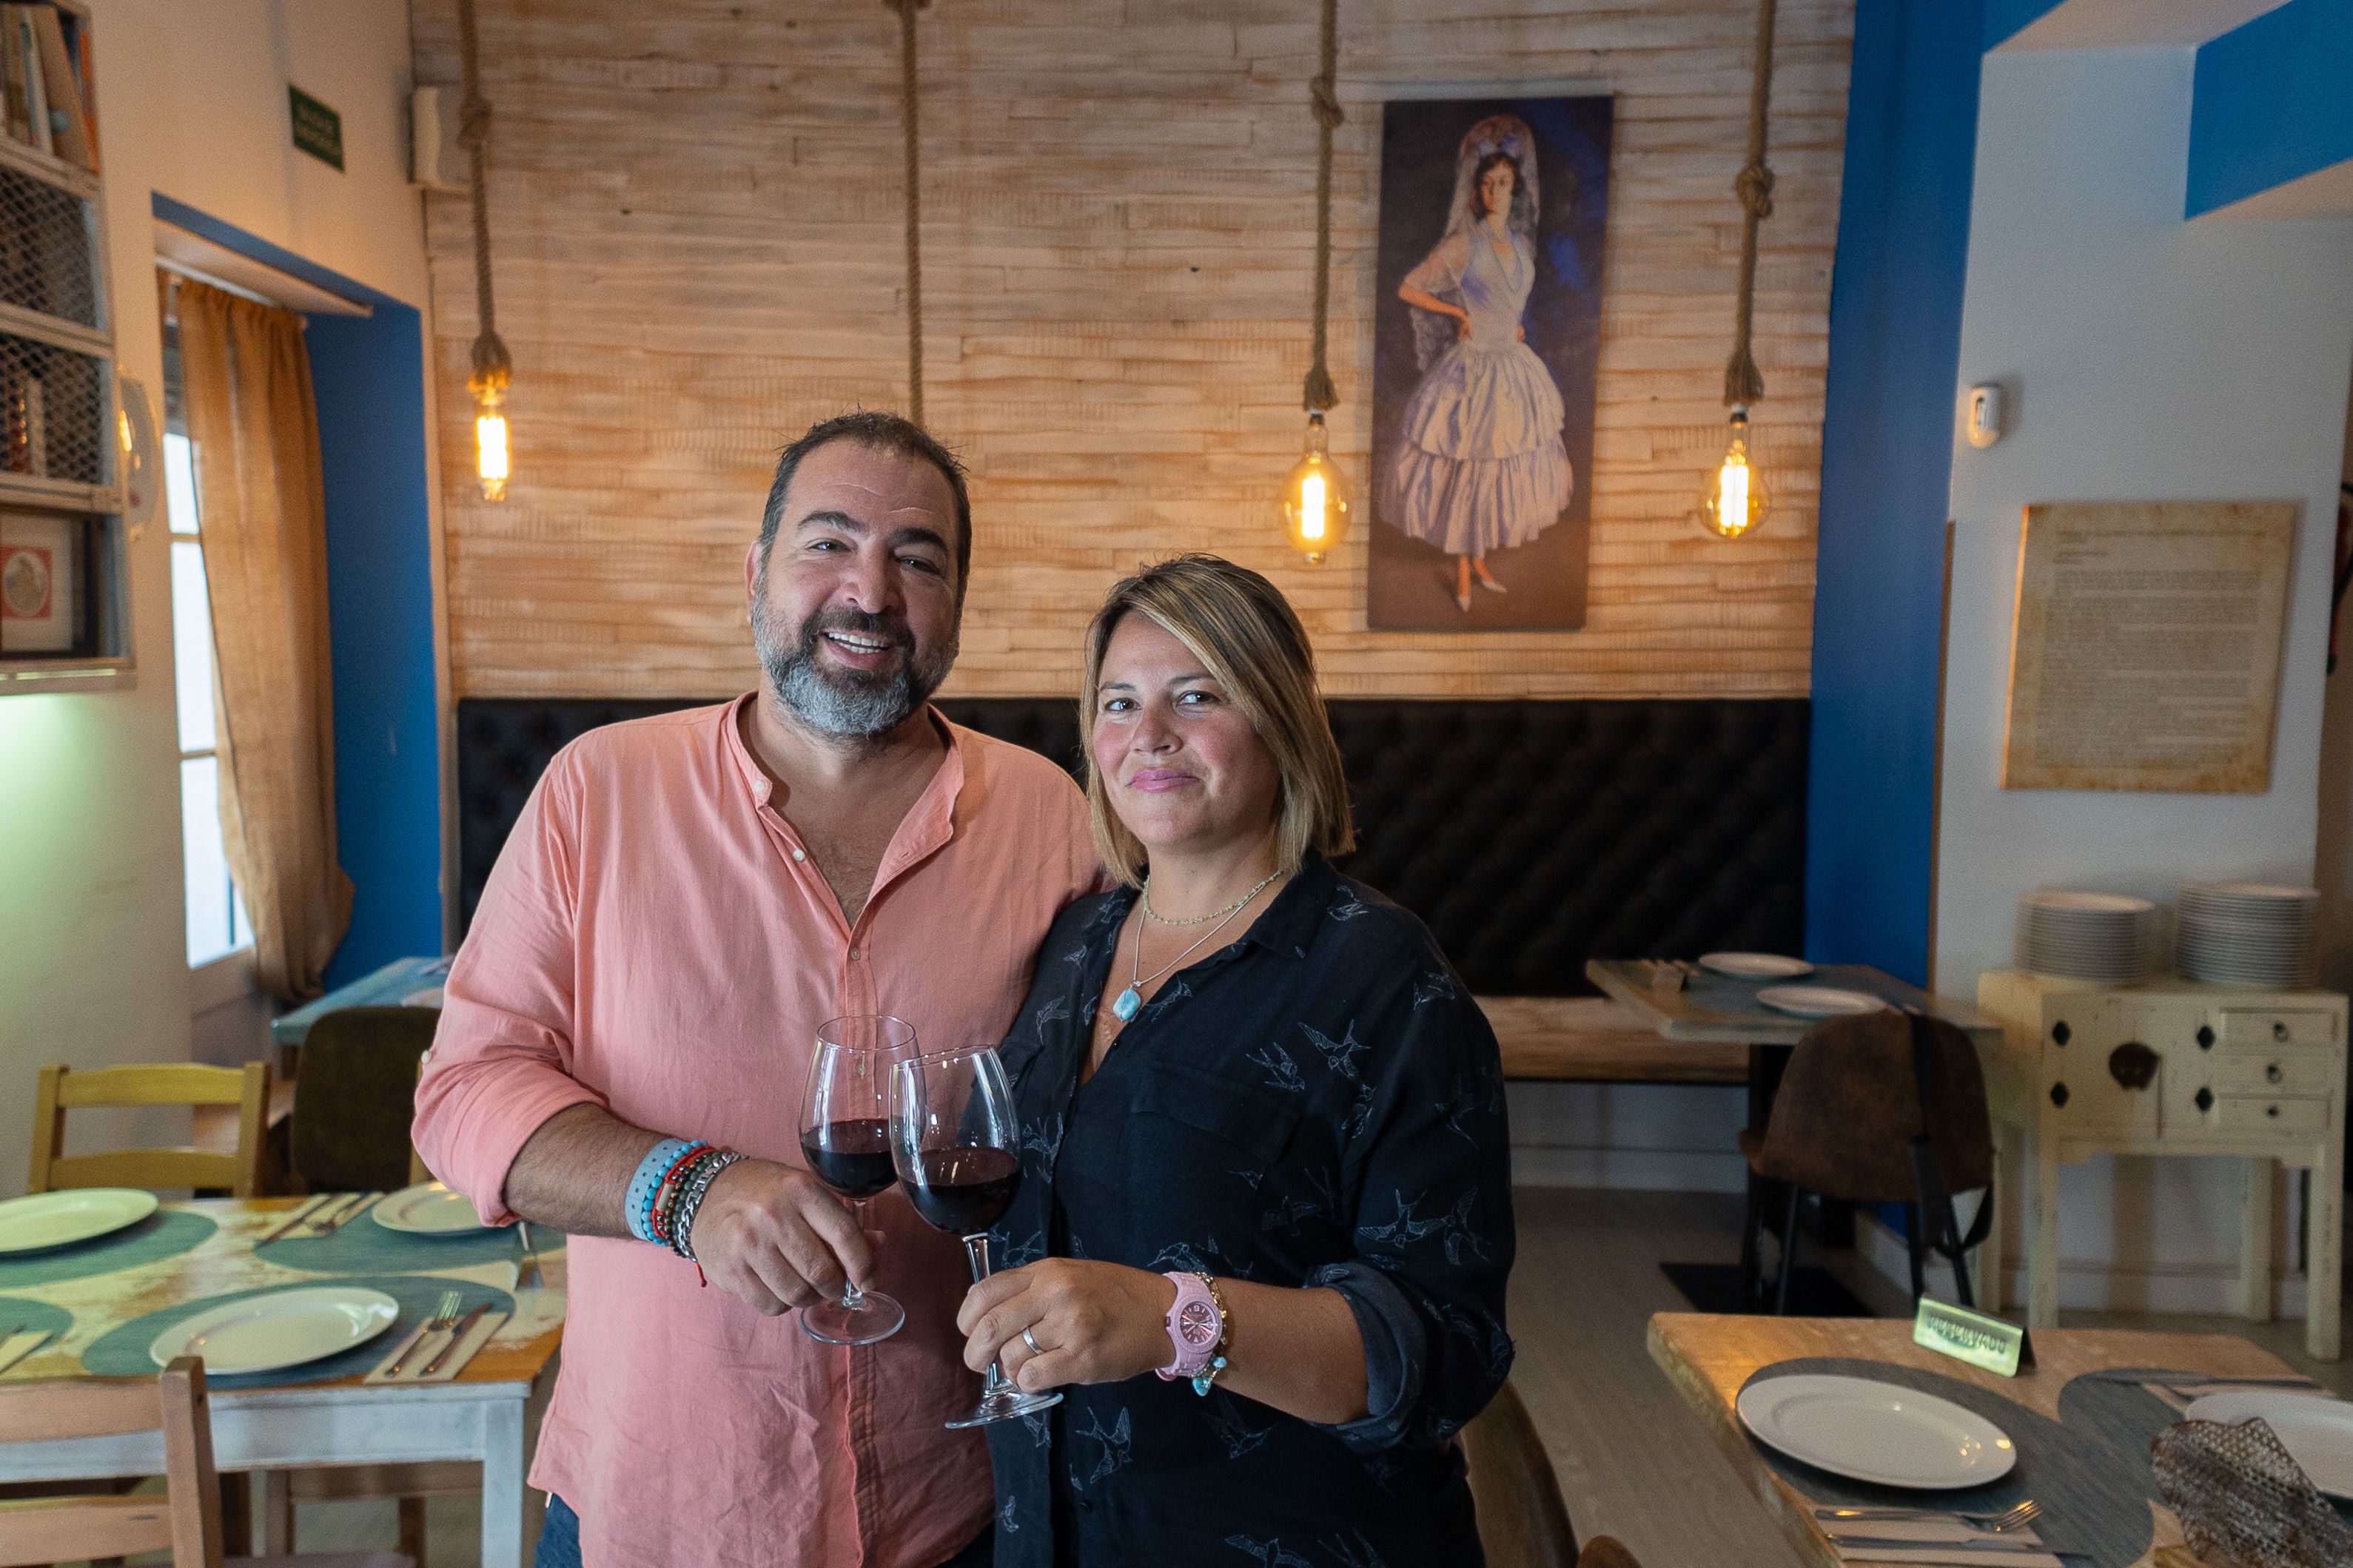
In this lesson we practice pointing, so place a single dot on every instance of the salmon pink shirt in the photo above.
(655, 939)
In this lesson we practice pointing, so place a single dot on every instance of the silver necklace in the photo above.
(1130, 1002)
(1156, 917)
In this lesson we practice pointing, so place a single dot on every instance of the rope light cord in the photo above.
(1319, 394)
(907, 115)
(494, 371)
(1742, 383)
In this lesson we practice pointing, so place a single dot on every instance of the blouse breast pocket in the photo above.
(1199, 1149)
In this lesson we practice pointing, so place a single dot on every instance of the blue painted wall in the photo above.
(1887, 434)
(2004, 19)
(2269, 102)
(368, 375)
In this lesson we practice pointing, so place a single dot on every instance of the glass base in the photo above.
(1002, 1404)
(875, 1317)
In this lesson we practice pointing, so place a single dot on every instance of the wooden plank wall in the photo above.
(696, 212)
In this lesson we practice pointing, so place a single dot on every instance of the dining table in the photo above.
(404, 982)
(2081, 1418)
(104, 1300)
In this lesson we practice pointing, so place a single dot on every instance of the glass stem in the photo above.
(976, 1248)
(853, 1299)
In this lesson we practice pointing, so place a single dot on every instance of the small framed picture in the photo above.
(43, 568)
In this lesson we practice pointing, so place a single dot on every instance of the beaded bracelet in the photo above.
(682, 1229)
(666, 1192)
(636, 1205)
(673, 1193)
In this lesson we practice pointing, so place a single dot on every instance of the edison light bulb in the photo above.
(1316, 499)
(492, 376)
(491, 452)
(1735, 499)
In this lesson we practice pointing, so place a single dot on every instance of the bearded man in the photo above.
(683, 901)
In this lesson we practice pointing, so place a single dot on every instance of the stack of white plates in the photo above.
(2249, 933)
(2087, 936)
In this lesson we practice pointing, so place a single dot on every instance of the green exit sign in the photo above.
(318, 130)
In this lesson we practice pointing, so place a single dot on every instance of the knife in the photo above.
(457, 1336)
(350, 1210)
(312, 1207)
(1975, 1546)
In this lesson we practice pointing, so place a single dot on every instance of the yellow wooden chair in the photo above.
(186, 1521)
(162, 1083)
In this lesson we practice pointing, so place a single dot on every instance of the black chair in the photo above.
(355, 1097)
(1887, 1107)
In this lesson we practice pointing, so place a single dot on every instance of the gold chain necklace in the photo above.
(1227, 913)
(1130, 1002)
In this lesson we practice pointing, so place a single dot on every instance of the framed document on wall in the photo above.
(2146, 650)
(42, 567)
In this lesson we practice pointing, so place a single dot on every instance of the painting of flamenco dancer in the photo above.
(1487, 326)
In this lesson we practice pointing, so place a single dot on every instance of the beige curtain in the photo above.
(255, 432)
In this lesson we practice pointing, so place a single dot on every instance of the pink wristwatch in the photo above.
(1197, 1328)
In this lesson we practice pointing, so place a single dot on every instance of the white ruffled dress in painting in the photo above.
(1480, 464)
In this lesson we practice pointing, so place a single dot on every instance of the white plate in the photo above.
(284, 1327)
(1756, 965)
(429, 1209)
(1819, 1001)
(2316, 1431)
(60, 1219)
(1875, 1432)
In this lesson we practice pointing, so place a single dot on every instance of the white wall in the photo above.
(192, 102)
(2151, 359)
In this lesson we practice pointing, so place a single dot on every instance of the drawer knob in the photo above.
(2270, 1110)
(2271, 1074)
(2060, 1033)
(2059, 1095)
(2205, 1099)
(2279, 1029)
(2133, 1065)
(2205, 1038)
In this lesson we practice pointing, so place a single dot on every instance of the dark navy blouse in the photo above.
(1318, 1103)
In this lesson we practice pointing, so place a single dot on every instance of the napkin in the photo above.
(1934, 1540)
(420, 1355)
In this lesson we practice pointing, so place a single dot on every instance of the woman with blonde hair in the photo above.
(1265, 1156)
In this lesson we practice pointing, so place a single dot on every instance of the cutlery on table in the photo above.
(1991, 1550)
(443, 1314)
(1986, 1524)
(305, 1213)
(527, 1263)
(351, 1211)
(456, 1337)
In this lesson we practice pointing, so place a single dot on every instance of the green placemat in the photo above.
(123, 1351)
(18, 1313)
(361, 1246)
(166, 1233)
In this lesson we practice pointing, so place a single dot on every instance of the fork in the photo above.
(1989, 1523)
(444, 1316)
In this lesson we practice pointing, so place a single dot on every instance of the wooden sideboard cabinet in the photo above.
(2168, 1066)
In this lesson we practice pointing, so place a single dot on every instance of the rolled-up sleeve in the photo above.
(501, 1058)
(1431, 1169)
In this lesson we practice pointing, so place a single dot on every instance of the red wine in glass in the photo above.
(957, 1145)
(846, 1138)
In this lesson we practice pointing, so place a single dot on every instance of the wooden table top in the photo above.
(1721, 1009)
(225, 1261)
(1708, 1358)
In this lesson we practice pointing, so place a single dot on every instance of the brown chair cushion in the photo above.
(1607, 1551)
(1523, 1523)
(1848, 1108)
(355, 1097)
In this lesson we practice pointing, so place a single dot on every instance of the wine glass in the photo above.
(958, 1148)
(846, 1138)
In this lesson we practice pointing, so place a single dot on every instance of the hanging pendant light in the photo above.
(493, 372)
(1316, 500)
(1736, 498)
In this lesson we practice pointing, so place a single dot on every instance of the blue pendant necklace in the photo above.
(1130, 1002)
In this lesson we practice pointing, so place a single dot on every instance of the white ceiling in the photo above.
(2128, 23)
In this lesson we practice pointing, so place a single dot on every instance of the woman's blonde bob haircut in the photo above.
(1243, 631)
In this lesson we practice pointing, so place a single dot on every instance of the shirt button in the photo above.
(853, 955)
(800, 854)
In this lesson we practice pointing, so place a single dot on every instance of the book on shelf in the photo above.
(45, 80)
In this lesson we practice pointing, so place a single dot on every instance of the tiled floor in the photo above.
(1633, 1461)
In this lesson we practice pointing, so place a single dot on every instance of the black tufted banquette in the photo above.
(1529, 835)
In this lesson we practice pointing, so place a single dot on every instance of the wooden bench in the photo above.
(1593, 1039)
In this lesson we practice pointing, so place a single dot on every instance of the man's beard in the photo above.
(848, 703)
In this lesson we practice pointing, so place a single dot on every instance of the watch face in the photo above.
(1198, 1321)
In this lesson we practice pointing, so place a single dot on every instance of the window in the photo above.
(216, 920)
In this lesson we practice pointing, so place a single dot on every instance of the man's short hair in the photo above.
(884, 432)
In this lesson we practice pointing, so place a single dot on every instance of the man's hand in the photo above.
(778, 1239)
(1094, 1322)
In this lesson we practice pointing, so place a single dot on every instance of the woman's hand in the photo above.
(1093, 1322)
(1523, 332)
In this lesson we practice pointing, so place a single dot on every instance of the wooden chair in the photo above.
(165, 1083)
(1523, 1523)
(186, 1521)
(1606, 1552)
(1853, 1119)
